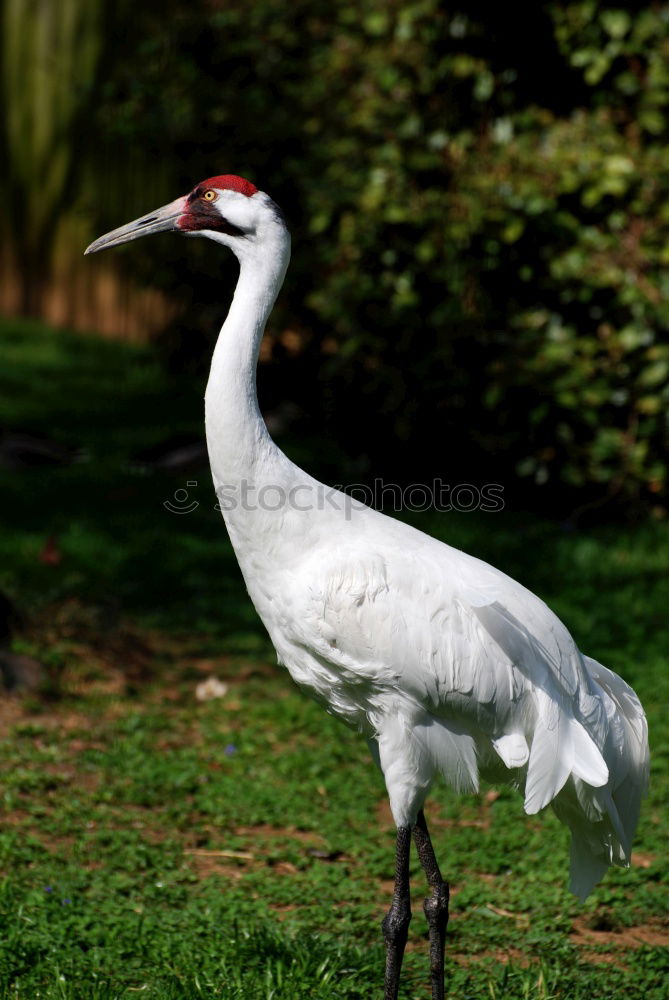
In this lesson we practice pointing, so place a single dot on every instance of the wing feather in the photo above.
(464, 642)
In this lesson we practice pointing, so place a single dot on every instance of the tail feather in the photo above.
(585, 869)
(603, 819)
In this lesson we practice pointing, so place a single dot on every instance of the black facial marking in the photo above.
(226, 227)
(202, 215)
(278, 214)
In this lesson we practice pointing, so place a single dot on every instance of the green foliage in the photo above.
(589, 350)
(481, 223)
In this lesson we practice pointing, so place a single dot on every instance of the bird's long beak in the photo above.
(162, 220)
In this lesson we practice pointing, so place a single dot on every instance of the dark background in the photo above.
(478, 201)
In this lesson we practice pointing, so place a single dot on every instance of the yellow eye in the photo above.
(209, 195)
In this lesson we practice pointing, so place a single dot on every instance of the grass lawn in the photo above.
(153, 845)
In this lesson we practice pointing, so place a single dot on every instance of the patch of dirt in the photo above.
(504, 956)
(65, 774)
(285, 868)
(384, 817)
(259, 849)
(51, 842)
(79, 746)
(17, 817)
(640, 860)
(652, 934)
(11, 712)
(283, 909)
(264, 831)
(208, 863)
(65, 722)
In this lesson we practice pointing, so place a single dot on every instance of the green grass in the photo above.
(155, 846)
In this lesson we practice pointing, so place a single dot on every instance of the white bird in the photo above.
(442, 662)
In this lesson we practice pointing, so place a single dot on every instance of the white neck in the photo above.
(273, 510)
(238, 441)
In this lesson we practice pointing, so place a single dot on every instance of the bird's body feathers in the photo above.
(449, 666)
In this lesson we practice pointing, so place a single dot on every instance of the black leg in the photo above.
(436, 905)
(396, 922)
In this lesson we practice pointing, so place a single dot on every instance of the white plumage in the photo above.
(446, 665)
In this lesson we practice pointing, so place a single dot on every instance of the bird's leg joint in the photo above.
(435, 907)
(395, 924)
